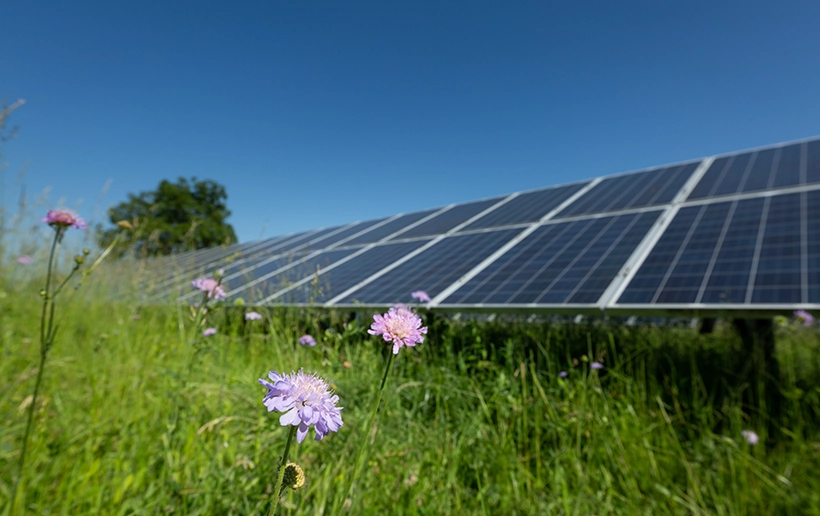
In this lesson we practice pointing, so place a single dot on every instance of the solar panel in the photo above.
(447, 220)
(570, 262)
(811, 246)
(230, 263)
(637, 190)
(399, 223)
(432, 270)
(334, 281)
(738, 232)
(280, 274)
(777, 167)
(745, 251)
(527, 207)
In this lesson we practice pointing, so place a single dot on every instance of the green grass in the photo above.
(474, 421)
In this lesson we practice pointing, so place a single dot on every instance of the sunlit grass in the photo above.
(475, 420)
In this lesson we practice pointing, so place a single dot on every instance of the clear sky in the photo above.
(319, 113)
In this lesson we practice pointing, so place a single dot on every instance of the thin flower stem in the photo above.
(281, 473)
(70, 274)
(29, 424)
(357, 463)
(46, 335)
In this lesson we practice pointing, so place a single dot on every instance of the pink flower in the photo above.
(804, 317)
(420, 296)
(304, 400)
(400, 326)
(24, 259)
(63, 218)
(211, 286)
(253, 316)
(307, 340)
(208, 332)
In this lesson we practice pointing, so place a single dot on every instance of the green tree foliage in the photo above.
(175, 217)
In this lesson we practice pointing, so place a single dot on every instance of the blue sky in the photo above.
(320, 113)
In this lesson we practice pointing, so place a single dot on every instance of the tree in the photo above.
(173, 218)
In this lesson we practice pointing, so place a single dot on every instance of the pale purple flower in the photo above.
(208, 332)
(63, 218)
(420, 296)
(751, 437)
(253, 316)
(211, 286)
(596, 365)
(400, 326)
(304, 400)
(307, 340)
(804, 317)
(24, 259)
(563, 374)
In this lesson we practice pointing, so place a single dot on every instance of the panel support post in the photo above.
(757, 336)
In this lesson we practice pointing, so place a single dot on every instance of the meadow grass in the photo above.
(133, 420)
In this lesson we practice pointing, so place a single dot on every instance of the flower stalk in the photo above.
(60, 221)
(280, 475)
(358, 462)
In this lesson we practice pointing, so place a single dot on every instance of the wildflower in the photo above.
(211, 286)
(307, 340)
(563, 374)
(420, 296)
(751, 437)
(63, 218)
(253, 316)
(304, 400)
(596, 365)
(804, 317)
(208, 332)
(400, 326)
(294, 476)
(24, 259)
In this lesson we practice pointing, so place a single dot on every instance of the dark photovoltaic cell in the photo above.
(337, 280)
(638, 190)
(295, 271)
(737, 252)
(434, 269)
(812, 243)
(733, 257)
(670, 249)
(564, 263)
(779, 267)
(778, 167)
(527, 207)
(389, 228)
(444, 222)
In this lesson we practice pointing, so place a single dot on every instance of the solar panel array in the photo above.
(738, 232)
